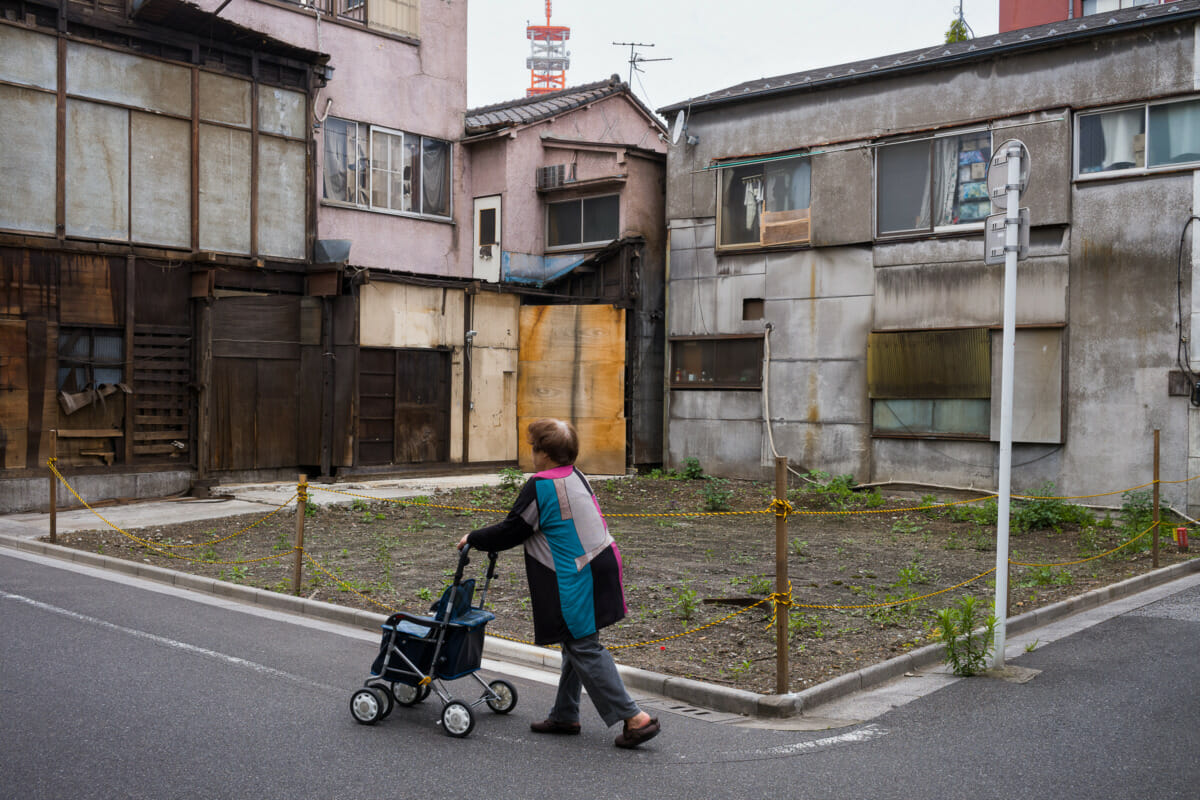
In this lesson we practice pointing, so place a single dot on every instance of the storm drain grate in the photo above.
(695, 712)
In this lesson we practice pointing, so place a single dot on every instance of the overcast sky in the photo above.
(712, 44)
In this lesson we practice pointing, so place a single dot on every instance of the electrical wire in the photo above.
(1182, 352)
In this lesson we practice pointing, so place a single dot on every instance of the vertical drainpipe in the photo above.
(666, 377)
(468, 317)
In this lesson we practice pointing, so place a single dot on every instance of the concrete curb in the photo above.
(683, 690)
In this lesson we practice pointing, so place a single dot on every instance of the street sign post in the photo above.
(1008, 177)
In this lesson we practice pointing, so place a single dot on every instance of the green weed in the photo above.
(966, 650)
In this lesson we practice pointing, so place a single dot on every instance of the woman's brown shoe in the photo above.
(554, 726)
(632, 737)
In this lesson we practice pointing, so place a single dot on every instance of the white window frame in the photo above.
(1146, 168)
(931, 228)
(367, 132)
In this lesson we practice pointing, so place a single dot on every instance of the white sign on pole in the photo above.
(997, 175)
(996, 232)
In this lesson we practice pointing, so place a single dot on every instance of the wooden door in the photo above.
(261, 394)
(404, 406)
(572, 366)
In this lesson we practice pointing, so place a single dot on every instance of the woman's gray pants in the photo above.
(587, 664)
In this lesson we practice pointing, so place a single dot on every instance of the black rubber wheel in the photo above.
(457, 719)
(366, 706)
(505, 699)
(408, 695)
(385, 694)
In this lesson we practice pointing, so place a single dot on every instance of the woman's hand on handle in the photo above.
(462, 542)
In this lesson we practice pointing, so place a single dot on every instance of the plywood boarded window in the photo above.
(224, 189)
(127, 171)
(281, 197)
(161, 170)
(28, 79)
(572, 366)
(27, 160)
(97, 171)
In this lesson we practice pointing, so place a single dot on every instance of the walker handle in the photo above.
(462, 564)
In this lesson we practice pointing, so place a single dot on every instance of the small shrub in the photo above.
(692, 470)
(511, 481)
(716, 493)
(686, 601)
(966, 650)
(1136, 515)
(1047, 512)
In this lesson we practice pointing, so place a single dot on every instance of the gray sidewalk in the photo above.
(845, 700)
(230, 500)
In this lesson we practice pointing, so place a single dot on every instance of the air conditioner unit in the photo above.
(555, 176)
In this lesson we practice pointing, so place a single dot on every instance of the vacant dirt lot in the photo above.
(858, 552)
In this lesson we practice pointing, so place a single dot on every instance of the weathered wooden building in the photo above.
(828, 293)
(155, 182)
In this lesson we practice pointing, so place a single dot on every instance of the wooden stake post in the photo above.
(301, 507)
(1156, 517)
(782, 612)
(53, 487)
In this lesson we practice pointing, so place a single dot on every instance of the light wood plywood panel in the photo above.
(572, 367)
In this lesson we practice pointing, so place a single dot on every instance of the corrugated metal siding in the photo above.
(929, 364)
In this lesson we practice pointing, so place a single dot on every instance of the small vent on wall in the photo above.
(554, 176)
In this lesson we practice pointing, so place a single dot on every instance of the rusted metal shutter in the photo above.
(929, 364)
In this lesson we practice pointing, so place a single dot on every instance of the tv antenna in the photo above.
(636, 58)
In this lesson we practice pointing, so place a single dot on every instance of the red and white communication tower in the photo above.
(548, 57)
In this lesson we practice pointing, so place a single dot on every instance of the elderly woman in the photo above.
(574, 574)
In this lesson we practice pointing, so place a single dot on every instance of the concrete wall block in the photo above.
(820, 391)
(683, 263)
(692, 310)
(936, 462)
(742, 264)
(838, 449)
(683, 234)
(733, 291)
(706, 262)
(831, 328)
(968, 294)
(825, 272)
(715, 405)
(725, 448)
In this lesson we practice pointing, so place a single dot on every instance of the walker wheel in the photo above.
(366, 706)
(502, 698)
(386, 695)
(457, 719)
(408, 695)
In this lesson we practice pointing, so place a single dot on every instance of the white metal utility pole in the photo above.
(1012, 223)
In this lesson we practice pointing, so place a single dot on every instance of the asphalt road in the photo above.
(112, 687)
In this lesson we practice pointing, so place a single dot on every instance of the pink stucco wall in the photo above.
(417, 87)
(512, 168)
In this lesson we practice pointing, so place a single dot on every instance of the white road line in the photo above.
(262, 669)
(863, 734)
